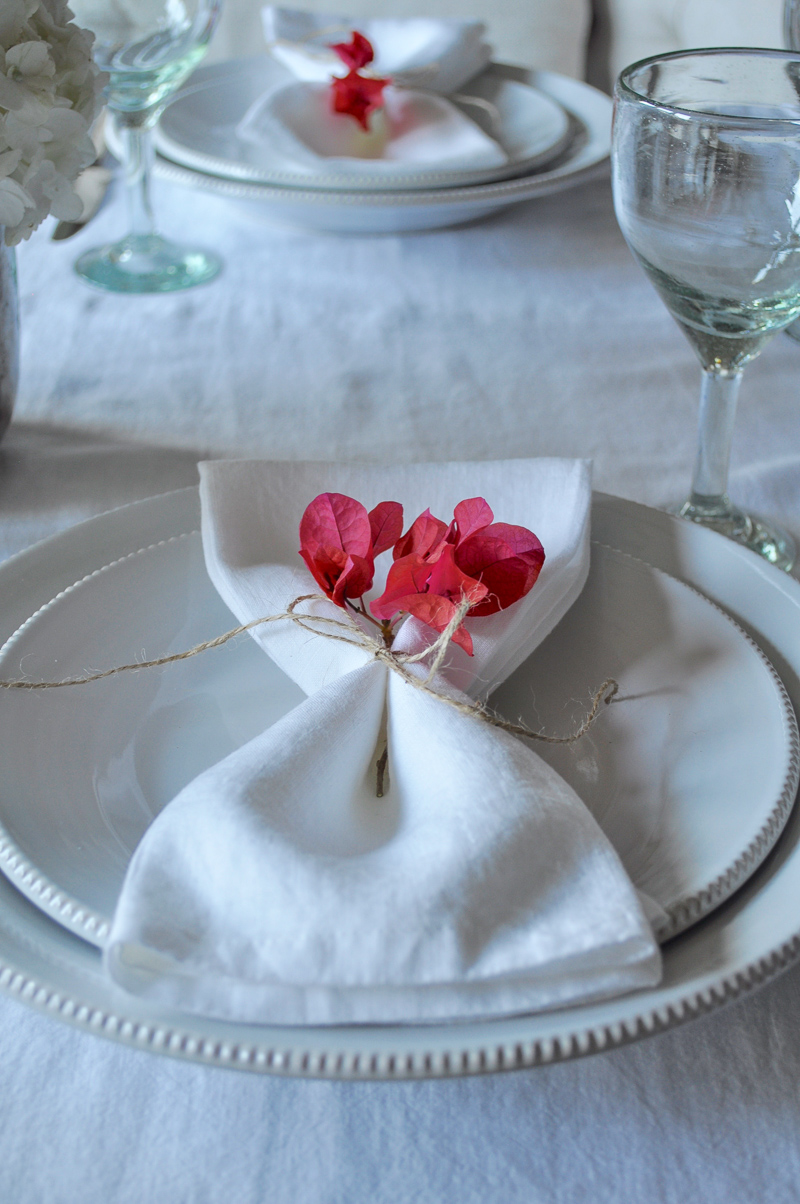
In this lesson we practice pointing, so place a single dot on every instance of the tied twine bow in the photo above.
(349, 632)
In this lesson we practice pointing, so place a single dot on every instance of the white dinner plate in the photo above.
(742, 943)
(691, 775)
(199, 129)
(426, 208)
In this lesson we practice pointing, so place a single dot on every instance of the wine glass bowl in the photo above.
(148, 47)
(706, 177)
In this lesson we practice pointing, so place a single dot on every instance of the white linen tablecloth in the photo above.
(531, 334)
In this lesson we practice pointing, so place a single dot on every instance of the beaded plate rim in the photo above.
(290, 1059)
(425, 179)
(469, 199)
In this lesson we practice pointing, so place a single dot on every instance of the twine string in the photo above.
(347, 631)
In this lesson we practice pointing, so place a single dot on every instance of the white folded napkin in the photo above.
(435, 54)
(418, 127)
(278, 887)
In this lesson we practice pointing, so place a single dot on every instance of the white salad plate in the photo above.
(739, 944)
(691, 775)
(201, 129)
(380, 212)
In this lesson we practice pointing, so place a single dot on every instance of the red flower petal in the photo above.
(519, 539)
(429, 591)
(406, 578)
(423, 537)
(506, 559)
(449, 581)
(356, 53)
(354, 581)
(472, 515)
(326, 565)
(357, 95)
(437, 612)
(386, 525)
(462, 637)
(334, 520)
(336, 544)
(506, 582)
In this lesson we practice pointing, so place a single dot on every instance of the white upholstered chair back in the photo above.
(553, 34)
(539, 33)
(639, 28)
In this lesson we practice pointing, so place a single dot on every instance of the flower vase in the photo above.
(9, 333)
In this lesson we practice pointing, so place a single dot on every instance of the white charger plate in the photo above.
(691, 776)
(199, 130)
(742, 943)
(363, 212)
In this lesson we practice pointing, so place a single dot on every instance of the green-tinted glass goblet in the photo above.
(706, 177)
(148, 47)
(791, 39)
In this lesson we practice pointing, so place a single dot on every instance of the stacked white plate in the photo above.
(692, 774)
(555, 131)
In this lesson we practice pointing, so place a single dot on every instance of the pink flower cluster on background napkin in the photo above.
(277, 887)
(425, 58)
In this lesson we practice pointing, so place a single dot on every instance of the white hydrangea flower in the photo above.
(49, 95)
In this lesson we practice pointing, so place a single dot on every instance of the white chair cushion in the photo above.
(643, 27)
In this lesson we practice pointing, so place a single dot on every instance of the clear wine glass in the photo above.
(148, 47)
(706, 177)
(791, 40)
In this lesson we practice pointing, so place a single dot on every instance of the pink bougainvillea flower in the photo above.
(357, 95)
(339, 541)
(336, 544)
(430, 591)
(435, 568)
(356, 53)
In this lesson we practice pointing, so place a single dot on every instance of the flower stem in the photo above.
(382, 762)
(384, 626)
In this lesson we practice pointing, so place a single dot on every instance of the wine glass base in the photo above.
(147, 263)
(763, 537)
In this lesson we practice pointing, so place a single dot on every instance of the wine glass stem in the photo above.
(138, 149)
(718, 398)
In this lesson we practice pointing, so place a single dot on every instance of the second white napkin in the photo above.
(436, 54)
